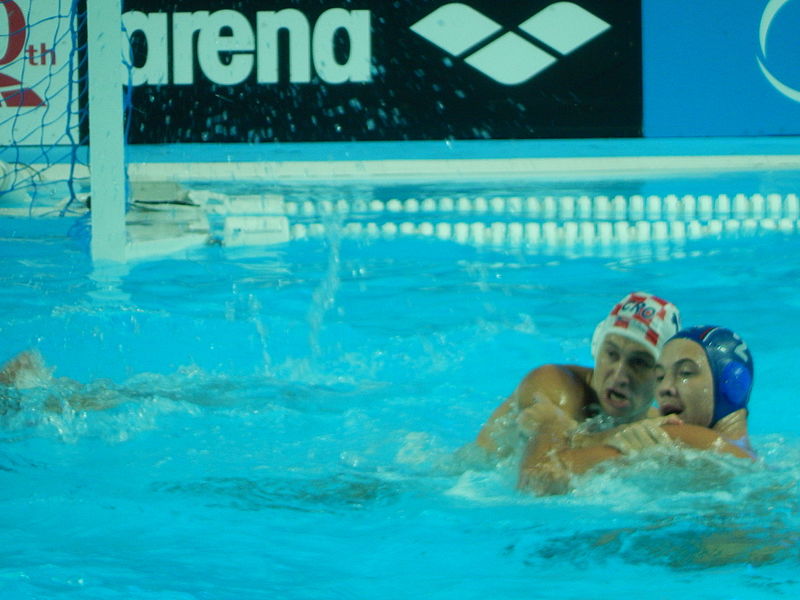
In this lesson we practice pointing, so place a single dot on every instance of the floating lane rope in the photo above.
(548, 221)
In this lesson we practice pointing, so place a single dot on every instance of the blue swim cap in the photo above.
(731, 367)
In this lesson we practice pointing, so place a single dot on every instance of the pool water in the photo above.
(285, 422)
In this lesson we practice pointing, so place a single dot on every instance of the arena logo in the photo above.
(227, 47)
(771, 11)
(510, 59)
(12, 91)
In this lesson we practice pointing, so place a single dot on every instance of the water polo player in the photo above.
(705, 377)
(621, 385)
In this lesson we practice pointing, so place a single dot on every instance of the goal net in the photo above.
(43, 165)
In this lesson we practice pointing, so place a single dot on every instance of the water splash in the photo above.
(324, 296)
(261, 330)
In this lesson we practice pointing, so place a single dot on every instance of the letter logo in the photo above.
(17, 95)
(510, 59)
(228, 48)
(767, 19)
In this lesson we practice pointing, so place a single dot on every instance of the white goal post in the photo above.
(106, 135)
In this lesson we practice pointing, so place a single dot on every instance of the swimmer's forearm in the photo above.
(493, 428)
(703, 438)
(580, 460)
(585, 439)
(542, 470)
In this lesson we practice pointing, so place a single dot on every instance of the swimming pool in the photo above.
(286, 421)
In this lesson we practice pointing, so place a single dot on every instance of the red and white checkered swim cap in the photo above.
(640, 317)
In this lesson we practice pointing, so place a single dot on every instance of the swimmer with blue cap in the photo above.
(705, 376)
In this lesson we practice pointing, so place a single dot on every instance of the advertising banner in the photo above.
(38, 97)
(342, 70)
(721, 68)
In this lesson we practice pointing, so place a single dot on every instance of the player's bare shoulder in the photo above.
(566, 386)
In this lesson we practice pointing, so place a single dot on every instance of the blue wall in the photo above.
(702, 75)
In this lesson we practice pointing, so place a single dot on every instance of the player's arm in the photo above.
(703, 438)
(557, 384)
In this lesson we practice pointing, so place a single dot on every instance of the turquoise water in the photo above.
(284, 422)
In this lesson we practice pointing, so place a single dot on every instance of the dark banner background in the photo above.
(417, 92)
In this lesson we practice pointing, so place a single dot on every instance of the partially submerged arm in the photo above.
(562, 386)
(549, 460)
(25, 370)
(703, 438)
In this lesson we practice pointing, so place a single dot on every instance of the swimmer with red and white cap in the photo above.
(619, 389)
